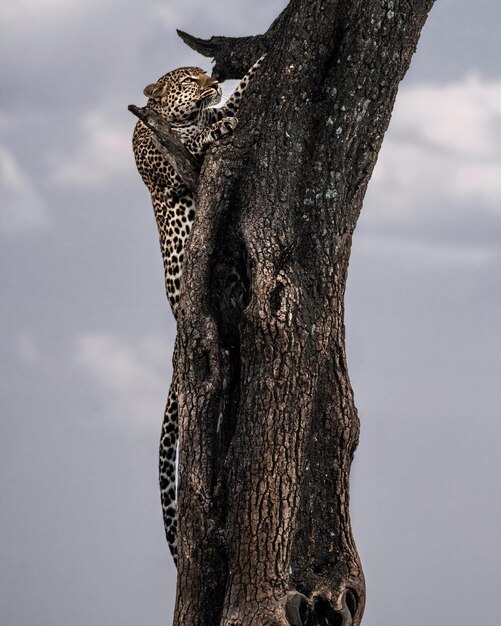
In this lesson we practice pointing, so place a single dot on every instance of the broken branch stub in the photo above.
(232, 55)
(171, 147)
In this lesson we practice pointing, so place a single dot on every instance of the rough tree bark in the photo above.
(267, 417)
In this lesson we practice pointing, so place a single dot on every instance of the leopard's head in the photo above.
(181, 94)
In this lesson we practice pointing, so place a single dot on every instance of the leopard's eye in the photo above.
(189, 80)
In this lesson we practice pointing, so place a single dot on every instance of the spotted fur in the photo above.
(184, 97)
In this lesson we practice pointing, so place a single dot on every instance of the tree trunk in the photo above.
(268, 425)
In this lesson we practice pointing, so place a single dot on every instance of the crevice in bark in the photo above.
(351, 601)
(320, 611)
(341, 32)
(229, 280)
(276, 298)
(298, 609)
(325, 615)
(229, 287)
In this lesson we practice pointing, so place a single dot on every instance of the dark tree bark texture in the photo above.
(268, 423)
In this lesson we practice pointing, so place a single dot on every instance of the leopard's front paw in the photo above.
(228, 125)
(224, 127)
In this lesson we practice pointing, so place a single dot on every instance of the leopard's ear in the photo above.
(155, 90)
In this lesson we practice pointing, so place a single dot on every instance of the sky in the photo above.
(87, 334)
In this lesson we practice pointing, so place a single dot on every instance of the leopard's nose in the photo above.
(211, 82)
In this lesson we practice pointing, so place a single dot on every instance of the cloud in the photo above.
(31, 13)
(412, 254)
(444, 144)
(23, 207)
(204, 16)
(133, 374)
(27, 348)
(71, 54)
(458, 117)
(435, 196)
(104, 155)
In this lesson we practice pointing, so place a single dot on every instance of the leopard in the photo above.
(186, 98)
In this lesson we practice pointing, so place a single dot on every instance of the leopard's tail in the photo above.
(167, 467)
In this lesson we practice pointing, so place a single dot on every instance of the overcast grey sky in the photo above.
(87, 333)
